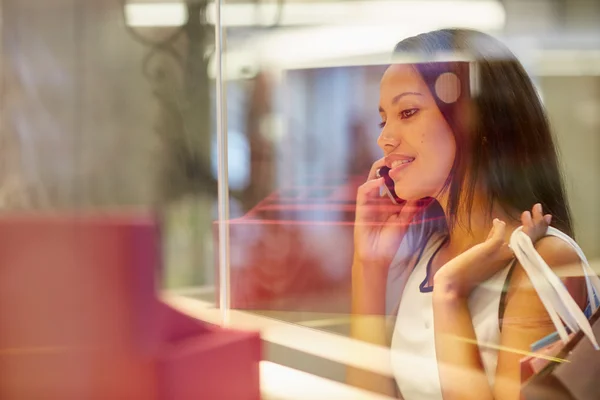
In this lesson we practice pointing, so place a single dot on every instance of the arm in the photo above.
(378, 232)
(460, 367)
(461, 371)
(368, 323)
(368, 304)
(526, 319)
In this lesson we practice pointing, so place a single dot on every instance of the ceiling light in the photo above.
(476, 14)
(155, 14)
(484, 14)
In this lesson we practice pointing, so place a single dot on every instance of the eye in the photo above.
(404, 114)
(381, 124)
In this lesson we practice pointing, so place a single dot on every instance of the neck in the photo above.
(473, 227)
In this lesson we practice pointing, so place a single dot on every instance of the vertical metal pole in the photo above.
(223, 172)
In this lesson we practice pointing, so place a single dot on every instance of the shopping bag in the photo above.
(541, 357)
(80, 318)
(573, 376)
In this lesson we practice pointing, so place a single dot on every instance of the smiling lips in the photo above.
(397, 162)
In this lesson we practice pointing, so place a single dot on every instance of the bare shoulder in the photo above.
(564, 261)
(556, 252)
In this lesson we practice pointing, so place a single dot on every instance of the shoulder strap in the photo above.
(391, 320)
(504, 293)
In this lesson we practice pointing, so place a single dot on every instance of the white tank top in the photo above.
(413, 347)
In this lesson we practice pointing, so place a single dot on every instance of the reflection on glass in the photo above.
(318, 131)
(467, 137)
(112, 105)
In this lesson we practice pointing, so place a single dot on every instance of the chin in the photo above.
(408, 193)
(411, 196)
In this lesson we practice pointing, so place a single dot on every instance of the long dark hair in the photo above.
(503, 137)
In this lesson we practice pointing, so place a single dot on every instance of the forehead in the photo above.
(402, 76)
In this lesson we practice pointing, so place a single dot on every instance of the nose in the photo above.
(387, 141)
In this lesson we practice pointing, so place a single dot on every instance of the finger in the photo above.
(497, 231)
(369, 190)
(548, 219)
(398, 219)
(526, 220)
(491, 233)
(376, 165)
(537, 216)
(378, 209)
(409, 209)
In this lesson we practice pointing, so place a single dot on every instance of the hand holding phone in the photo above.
(388, 189)
(379, 228)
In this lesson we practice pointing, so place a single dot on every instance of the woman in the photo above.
(482, 154)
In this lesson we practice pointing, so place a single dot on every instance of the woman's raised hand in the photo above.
(465, 272)
(380, 224)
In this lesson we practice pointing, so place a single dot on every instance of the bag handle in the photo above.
(523, 254)
(592, 280)
(552, 292)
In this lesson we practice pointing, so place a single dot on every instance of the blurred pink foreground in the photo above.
(80, 318)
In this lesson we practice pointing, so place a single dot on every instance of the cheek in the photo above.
(439, 149)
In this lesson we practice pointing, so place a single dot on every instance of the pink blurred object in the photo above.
(80, 318)
(293, 251)
(532, 364)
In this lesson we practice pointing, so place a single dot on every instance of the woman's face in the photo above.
(416, 139)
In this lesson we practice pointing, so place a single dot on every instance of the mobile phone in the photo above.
(388, 189)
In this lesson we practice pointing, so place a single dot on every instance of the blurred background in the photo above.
(111, 104)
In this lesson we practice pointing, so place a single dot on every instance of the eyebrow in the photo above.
(401, 95)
